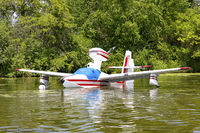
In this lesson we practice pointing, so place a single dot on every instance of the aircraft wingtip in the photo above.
(146, 66)
(186, 68)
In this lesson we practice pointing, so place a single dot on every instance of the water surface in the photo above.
(174, 107)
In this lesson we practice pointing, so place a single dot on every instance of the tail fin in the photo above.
(128, 65)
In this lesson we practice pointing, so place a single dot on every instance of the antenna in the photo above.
(111, 49)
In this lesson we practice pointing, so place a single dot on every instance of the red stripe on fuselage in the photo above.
(120, 82)
(91, 85)
(85, 80)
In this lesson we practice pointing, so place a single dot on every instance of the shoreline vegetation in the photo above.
(55, 35)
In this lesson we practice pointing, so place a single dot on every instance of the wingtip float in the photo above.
(92, 76)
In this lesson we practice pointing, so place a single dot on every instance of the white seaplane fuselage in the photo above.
(91, 75)
(86, 77)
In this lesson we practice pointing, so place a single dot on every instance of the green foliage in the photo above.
(42, 39)
(187, 32)
(5, 41)
(116, 58)
(57, 34)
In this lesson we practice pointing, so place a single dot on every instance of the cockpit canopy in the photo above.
(90, 73)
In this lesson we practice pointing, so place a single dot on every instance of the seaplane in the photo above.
(92, 76)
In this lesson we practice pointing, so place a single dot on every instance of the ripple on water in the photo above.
(174, 107)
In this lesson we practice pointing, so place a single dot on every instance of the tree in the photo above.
(187, 31)
(56, 34)
(43, 37)
(5, 41)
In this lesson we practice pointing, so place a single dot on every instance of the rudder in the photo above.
(128, 64)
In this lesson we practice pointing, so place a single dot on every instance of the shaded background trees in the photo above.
(56, 34)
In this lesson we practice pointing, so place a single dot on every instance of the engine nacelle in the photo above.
(98, 55)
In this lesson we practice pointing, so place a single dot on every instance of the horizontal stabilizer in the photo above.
(135, 67)
(45, 72)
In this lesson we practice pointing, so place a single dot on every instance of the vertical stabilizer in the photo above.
(128, 65)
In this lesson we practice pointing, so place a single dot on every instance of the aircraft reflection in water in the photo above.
(96, 103)
(92, 76)
(153, 93)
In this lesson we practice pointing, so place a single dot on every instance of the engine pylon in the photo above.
(153, 80)
(44, 81)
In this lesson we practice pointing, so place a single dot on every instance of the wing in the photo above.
(137, 75)
(45, 72)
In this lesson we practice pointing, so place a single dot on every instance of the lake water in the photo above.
(174, 107)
